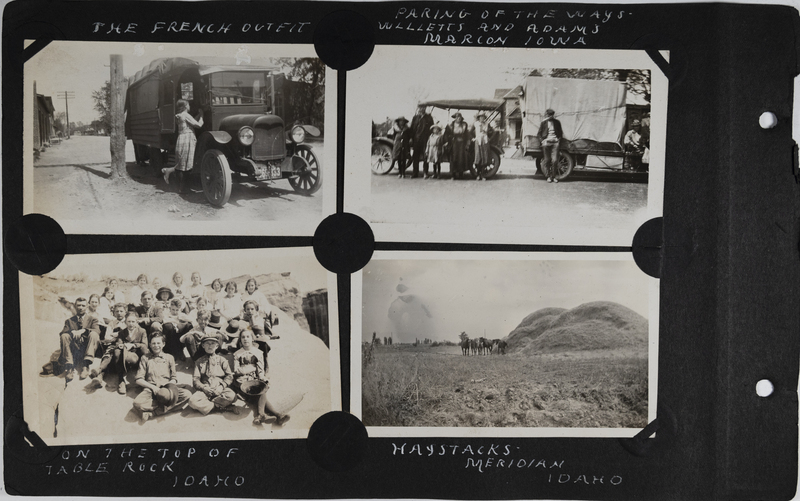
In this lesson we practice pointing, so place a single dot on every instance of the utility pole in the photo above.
(117, 144)
(66, 95)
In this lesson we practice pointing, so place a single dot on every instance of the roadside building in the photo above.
(512, 126)
(43, 118)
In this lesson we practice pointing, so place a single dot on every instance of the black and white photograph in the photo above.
(149, 138)
(456, 344)
(511, 145)
(178, 346)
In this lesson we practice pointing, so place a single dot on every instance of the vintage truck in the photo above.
(594, 116)
(382, 145)
(241, 135)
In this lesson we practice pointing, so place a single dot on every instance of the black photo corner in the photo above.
(725, 252)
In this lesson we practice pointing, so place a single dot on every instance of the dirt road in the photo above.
(72, 181)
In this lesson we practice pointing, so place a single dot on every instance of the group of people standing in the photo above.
(158, 325)
(426, 141)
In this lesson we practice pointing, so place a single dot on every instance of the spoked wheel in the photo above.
(566, 163)
(494, 165)
(308, 171)
(381, 158)
(215, 174)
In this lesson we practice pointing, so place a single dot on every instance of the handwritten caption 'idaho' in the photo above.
(494, 28)
(163, 462)
(506, 457)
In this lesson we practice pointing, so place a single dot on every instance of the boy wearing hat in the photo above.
(157, 375)
(212, 378)
(550, 135)
(208, 324)
(634, 145)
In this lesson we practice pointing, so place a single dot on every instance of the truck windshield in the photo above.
(237, 88)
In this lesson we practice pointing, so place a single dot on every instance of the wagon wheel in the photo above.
(566, 163)
(308, 171)
(494, 165)
(381, 158)
(215, 174)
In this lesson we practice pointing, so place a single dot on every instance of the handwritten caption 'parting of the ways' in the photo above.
(500, 27)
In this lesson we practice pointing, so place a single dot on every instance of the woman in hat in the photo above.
(402, 143)
(248, 365)
(212, 379)
(481, 132)
(433, 152)
(456, 138)
(156, 373)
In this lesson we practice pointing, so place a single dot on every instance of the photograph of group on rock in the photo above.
(530, 344)
(189, 345)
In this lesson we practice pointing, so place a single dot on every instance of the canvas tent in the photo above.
(587, 109)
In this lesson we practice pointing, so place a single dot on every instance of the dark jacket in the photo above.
(421, 129)
(543, 129)
(89, 322)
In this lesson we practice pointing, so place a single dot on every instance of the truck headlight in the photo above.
(246, 136)
(298, 135)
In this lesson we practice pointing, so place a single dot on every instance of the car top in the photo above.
(177, 65)
(465, 104)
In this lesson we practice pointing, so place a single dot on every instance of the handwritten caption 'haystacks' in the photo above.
(506, 457)
(144, 461)
(195, 27)
(540, 28)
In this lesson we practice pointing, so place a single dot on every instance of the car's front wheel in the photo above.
(215, 175)
(307, 171)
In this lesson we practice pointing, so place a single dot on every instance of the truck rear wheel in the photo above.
(566, 163)
(215, 175)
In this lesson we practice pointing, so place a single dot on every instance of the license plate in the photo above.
(268, 172)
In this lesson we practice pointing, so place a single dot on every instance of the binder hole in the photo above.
(764, 388)
(767, 120)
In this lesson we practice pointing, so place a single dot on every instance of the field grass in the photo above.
(424, 386)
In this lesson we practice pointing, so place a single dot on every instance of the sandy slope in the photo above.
(299, 364)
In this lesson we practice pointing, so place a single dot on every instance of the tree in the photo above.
(463, 336)
(60, 122)
(102, 104)
(310, 71)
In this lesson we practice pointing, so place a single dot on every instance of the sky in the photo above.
(302, 264)
(489, 297)
(404, 76)
(83, 67)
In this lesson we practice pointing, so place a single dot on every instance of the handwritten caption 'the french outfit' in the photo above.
(195, 27)
(494, 28)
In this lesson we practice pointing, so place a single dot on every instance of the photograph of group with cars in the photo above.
(564, 146)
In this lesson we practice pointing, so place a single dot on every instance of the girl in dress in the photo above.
(196, 291)
(92, 305)
(105, 304)
(180, 291)
(251, 293)
(184, 148)
(118, 295)
(139, 289)
(231, 303)
(248, 365)
(433, 151)
(216, 294)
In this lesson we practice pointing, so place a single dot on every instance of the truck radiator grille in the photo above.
(269, 144)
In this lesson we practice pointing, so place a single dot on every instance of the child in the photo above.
(231, 303)
(248, 365)
(104, 309)
(177, 281)
(208, 324)
(175, 324)
(433, 152)
(138, 289)
(115, 324)
(185, 146)
(196, 291)
(212, 378)
(156, 373)
(217, 294)
(118, 295)
(123, 353)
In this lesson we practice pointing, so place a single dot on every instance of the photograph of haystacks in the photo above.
(176, 346)
(453, 342)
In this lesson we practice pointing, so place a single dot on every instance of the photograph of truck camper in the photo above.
(241, 131)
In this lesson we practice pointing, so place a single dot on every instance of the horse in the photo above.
(465, 347)
(485, 346)
(473, 346)
(501, 347)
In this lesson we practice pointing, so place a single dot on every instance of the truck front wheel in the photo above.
(215, 175)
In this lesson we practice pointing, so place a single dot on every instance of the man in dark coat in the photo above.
(79, 338)
(550, 135)
(420, 131)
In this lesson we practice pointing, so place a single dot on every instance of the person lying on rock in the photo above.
(123, 353)
(212, 378)
(79, 338)
(158, 376)
(248, 365)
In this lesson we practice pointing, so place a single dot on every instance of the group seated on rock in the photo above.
(149, 337)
